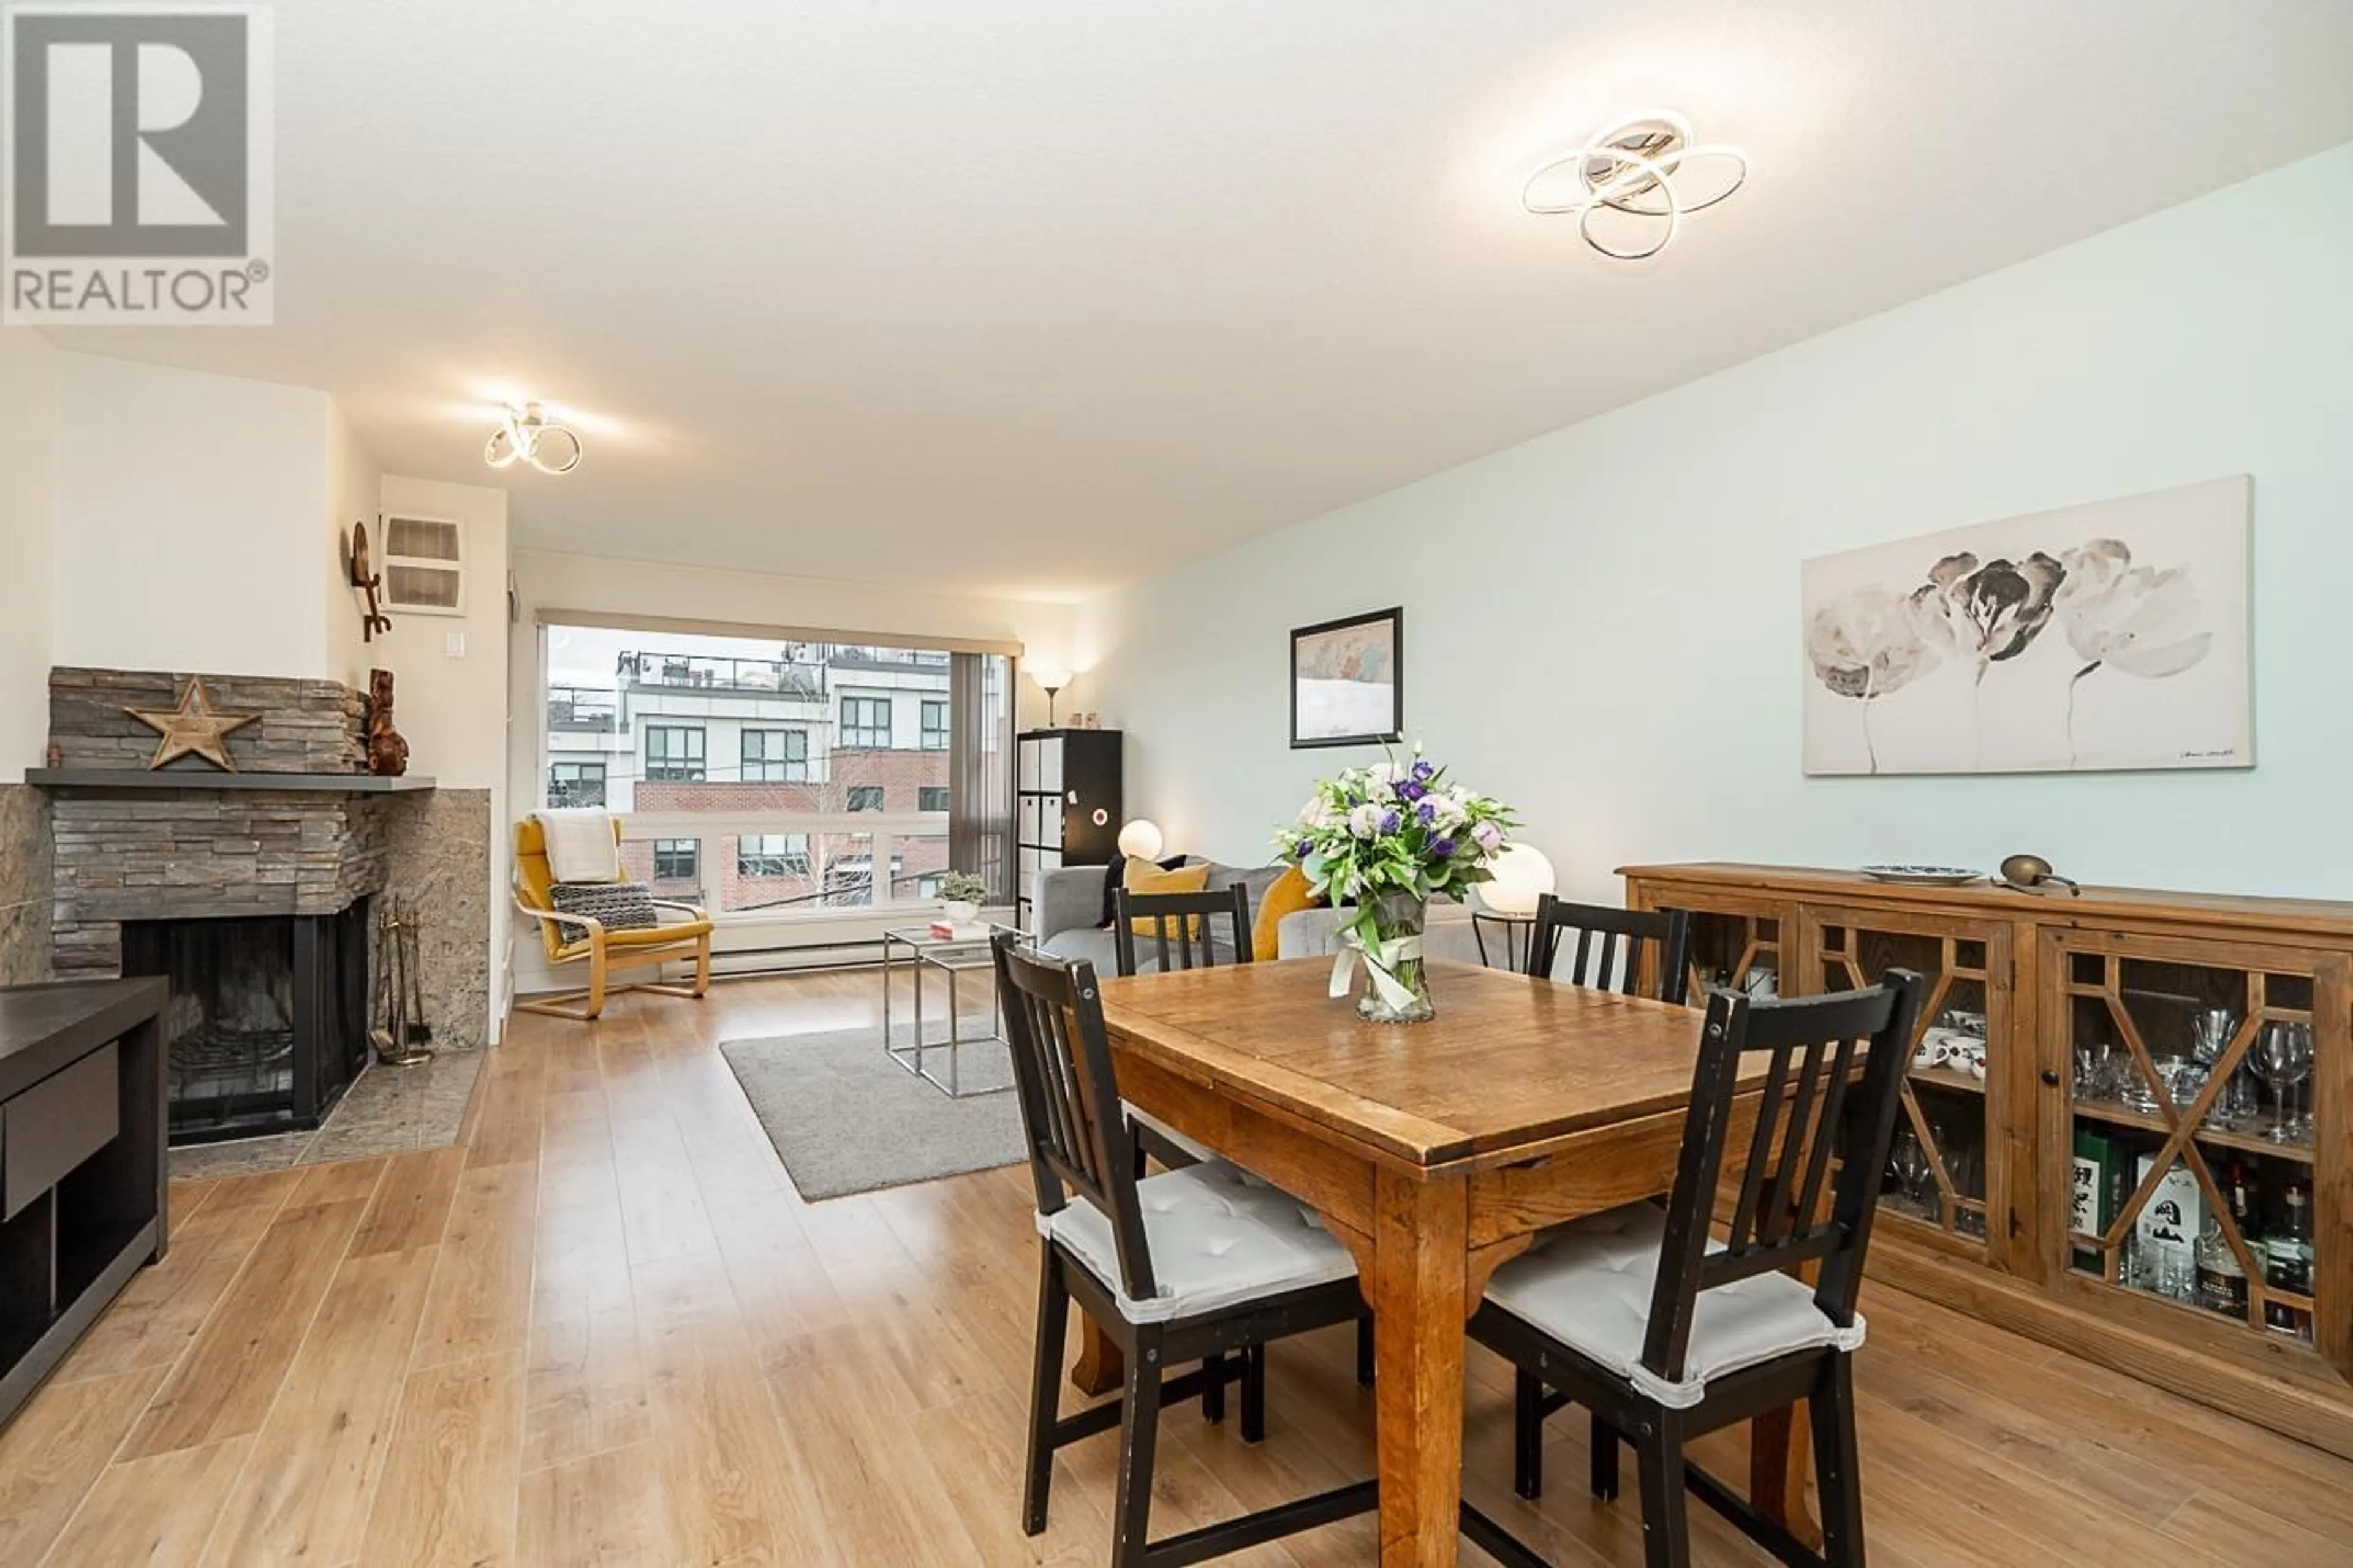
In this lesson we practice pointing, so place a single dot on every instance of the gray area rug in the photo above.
(387, 1110)
(846, 1118)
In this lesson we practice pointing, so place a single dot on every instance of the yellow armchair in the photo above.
(689, 931)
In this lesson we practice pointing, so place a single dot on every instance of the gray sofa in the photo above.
(1069, 904)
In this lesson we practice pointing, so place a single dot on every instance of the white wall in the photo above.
(354, 487)
(188, 521)
(1602, 624)
(449, 699)
(28, 531)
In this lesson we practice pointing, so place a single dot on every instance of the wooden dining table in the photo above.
(1435, 1150)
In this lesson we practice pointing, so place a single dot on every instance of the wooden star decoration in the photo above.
(191, 729)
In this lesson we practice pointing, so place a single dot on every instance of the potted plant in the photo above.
(1379, 842)
(962, 893)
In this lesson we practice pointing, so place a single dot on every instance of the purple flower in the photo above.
(1429, 812)
(1442, 848)
(1390, 822)
(1422, 771)
(1303, 848)
(1411, 791)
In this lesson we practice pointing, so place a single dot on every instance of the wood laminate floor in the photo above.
(602, 1328)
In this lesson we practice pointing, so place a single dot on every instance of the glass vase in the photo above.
(1396, 989)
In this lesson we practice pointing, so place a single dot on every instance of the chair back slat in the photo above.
(1605, 935)
(1182, 928)
(1077, 1134)
(1818, 1135)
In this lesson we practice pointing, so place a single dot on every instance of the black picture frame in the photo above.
(1387, 642)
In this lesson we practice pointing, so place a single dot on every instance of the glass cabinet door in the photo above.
(1946, 1171)
(2192, 1091)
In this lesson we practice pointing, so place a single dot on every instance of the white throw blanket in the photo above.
(580, 844)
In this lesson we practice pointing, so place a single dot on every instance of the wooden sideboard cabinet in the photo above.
(2154, 1171)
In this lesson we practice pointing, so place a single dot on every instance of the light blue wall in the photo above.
(1602, 623)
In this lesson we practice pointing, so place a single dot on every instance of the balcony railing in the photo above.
(701, 673)
(583, 708)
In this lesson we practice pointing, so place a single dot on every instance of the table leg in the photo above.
(1100, 1368)
(1420, 1295)
(1781, 1459)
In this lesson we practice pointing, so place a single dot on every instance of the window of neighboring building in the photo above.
(772, 855)
(576, 783)
(866, 722)
(866, 797)
(936, 727)
(932, 797)
(675, 858)
(674, 752)
(776, 756)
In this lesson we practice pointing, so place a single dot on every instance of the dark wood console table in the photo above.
(82, 1163)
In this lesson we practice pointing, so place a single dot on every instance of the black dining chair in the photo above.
(1181, 928)
(1205, 1264)
(1606, 935)
(1182, 932)
(1665, 1336)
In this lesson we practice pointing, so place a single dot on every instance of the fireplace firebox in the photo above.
(268, 1020)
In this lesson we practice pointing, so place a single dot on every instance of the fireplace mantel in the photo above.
(214, 779)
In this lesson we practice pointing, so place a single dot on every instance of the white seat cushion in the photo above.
(1588, 1286)
(1194, 1147)
(1219, 1236)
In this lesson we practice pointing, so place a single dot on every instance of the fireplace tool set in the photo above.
(400, 1034)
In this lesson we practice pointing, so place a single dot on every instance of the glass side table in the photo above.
(1513, 934)
(954, 957)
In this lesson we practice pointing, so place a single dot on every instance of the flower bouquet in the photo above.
(1377, 842)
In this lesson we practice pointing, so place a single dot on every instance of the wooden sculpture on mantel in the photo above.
(387, 751)
(191, 729)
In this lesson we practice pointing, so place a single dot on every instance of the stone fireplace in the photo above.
(249, 891)
(267, 1022)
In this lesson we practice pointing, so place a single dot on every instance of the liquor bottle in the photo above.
(2287, 1255)
(2222, 1278)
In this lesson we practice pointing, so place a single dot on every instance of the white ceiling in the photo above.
(1038, 296)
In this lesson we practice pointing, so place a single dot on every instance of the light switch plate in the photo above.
(453, 644)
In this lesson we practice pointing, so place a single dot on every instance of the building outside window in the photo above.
(772, 855)
(775, 736)
(776, 756)
(866, 723)
(576, 783)
(674, 754)
(676, 859)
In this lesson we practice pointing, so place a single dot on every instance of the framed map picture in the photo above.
(1347, 682)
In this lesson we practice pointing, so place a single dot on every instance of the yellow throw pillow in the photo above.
(1144, 877)
(1289, 894)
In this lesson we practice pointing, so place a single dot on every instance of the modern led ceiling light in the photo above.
(1631, 187)
(525, 435)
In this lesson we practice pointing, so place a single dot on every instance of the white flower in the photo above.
(2136, 620)
(1317, 813)
(1487, 836)
(1365, 822)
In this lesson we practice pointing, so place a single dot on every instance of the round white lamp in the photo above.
(1522, 875)
(1140, 840)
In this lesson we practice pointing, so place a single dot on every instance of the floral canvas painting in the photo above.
(2112, 635)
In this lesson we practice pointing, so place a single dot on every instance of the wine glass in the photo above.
(1913, 1168)
(2283, 1056)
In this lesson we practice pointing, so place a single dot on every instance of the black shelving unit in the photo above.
(1066, 806)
